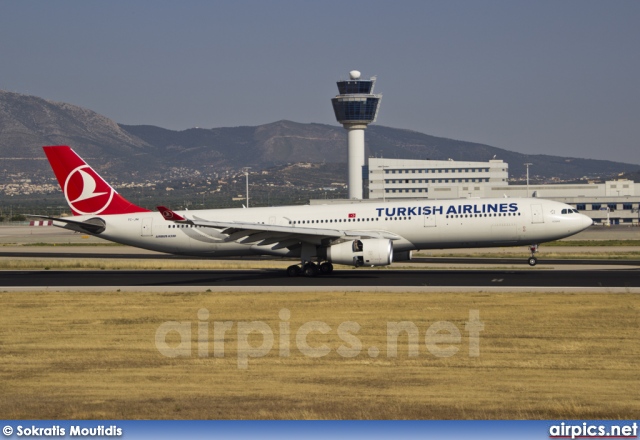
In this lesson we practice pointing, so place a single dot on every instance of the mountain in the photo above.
(28, 122)
(285, 142)
(134, 152)
(259, 147)
(407, 144)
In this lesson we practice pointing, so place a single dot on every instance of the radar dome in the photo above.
(354, 74)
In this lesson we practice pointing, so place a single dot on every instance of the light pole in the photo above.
(527, 165)
(246, 174)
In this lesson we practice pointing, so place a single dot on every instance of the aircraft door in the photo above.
(146, 227)
(429, 220)
(537, 214)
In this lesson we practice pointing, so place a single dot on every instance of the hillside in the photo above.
(129, 153)
(28, 122)
(286, 141)
(634, 175)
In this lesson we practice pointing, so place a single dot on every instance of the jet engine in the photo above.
(402, 256)
(361, 252)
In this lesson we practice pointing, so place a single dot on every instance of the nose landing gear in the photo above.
(532, 259)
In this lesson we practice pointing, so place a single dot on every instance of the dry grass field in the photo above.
(542, 356)
(137, 264)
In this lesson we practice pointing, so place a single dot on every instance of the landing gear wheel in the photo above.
(293, 271)
(533, 261)
(310, 270)
(326, 268)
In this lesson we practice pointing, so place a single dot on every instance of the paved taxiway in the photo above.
(430, 270)
(622, 278)
(109, 254)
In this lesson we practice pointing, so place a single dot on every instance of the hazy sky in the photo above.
(544, 77)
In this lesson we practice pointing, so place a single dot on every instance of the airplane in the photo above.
(357, 234)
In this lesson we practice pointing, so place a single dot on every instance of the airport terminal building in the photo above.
(433, 179)
(611, 202)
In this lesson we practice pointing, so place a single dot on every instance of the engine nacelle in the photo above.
(362, 252)
(402, 256)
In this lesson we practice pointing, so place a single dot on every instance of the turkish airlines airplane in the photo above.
(357, 234)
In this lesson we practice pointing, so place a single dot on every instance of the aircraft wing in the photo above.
(282, 235)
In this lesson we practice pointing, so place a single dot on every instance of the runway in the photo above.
(430, 270)
(625, 278)
(109, 253)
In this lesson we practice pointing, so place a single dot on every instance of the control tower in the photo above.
(355, 107)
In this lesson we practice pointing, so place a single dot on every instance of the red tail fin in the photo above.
(86, 192)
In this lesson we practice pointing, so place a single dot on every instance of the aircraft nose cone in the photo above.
(586, 221)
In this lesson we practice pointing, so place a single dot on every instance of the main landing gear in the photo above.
(310, 269)
(532, 259)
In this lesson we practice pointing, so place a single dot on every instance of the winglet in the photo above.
(169, 214)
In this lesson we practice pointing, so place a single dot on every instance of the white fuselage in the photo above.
(421, 224)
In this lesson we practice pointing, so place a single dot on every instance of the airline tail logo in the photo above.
(86, 192)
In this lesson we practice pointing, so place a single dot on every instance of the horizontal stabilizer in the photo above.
(92, 226)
